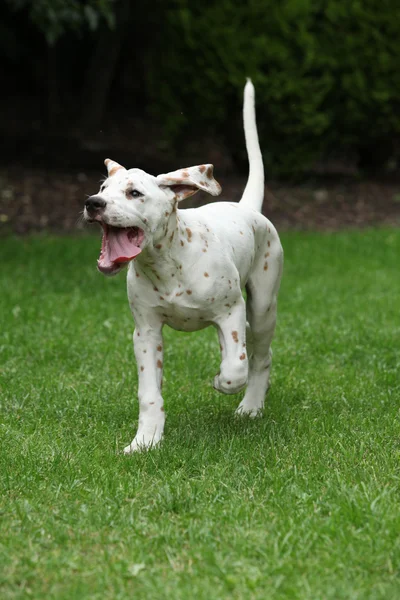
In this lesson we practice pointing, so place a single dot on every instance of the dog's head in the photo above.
(133, 208)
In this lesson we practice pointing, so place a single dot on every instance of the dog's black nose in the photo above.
(94, 203)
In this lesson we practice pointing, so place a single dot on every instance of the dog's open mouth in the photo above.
(119, 245)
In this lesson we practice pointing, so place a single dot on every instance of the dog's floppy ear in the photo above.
(186, 182)
(112, 166)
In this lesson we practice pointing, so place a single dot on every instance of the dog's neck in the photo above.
(162, 259)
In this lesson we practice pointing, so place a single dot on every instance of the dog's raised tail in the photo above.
(253, 194)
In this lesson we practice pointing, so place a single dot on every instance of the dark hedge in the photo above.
(327, 76)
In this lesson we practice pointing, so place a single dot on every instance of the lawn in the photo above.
(303, 503)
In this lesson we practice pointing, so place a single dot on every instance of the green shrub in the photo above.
(326, 74)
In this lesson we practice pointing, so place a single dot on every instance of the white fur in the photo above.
(191, 272)
(253, 194)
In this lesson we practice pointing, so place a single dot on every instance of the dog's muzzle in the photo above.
(94, 205)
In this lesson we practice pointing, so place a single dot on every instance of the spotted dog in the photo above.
(187, 269)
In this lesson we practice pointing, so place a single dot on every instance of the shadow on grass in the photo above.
(216, 424)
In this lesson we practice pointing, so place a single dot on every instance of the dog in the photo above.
(187, 269)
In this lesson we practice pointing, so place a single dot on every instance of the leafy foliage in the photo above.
(326, 73)
(54, 17)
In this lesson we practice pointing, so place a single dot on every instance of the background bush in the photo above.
(326, 72)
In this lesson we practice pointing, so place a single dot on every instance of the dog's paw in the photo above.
(229, 386)
(250, 408)
(251, 412)
(142, 444)
(233, 376)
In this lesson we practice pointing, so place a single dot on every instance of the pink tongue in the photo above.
(120, 246)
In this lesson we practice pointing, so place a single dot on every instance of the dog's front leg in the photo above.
(148, 346)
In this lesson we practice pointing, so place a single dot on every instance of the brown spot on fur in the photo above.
(235, 336)
(253, 229)
(179, 294)
(138, 333)
(166, 213)
(206, 275)
(189, 234)
(162, 298)
(220, 347)
(151, 403)
(172, 236)
(209, 172)
(268, 243)
(162, 409)
(266, 254)
(142, 368)
(159, 348)
(229, 382)
(155, 289)
(204, 249)
(185, 174)
(242, 356)
(137, 274)
(212, 299)
(158, 246)
(182, 243)
(189, 292)
(228, 305)
(159, 364)
(244, 345)
(241, 232)
(202, 168)
(266, 267)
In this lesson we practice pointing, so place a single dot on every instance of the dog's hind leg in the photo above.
(261, 314)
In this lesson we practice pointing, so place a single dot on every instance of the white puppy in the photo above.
(189, 269)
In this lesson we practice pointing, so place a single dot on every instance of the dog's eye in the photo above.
(103, 187)
(135, 193)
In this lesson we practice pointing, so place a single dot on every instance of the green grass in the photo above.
(302, 503)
